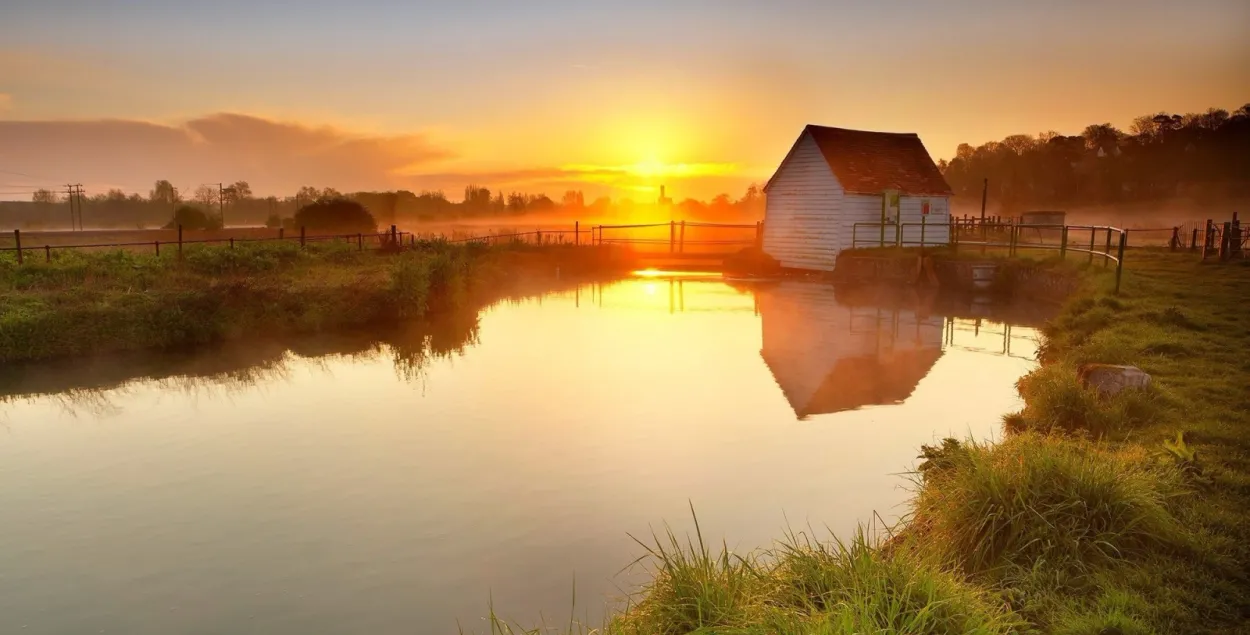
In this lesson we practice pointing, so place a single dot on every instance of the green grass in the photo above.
(90, 303)
(1128, 515)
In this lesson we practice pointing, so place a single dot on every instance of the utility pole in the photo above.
(71, 191)
(69, 198)
(221, 204)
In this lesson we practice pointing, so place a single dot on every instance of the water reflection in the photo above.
(831, 352)
(394, 481)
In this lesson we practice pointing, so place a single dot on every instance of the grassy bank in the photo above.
(1128, 515)
(88, 303)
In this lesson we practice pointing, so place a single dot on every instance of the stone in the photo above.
(1110, 379)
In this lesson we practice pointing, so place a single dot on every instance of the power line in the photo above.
(30, 176)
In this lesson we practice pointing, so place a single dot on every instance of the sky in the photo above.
(612, 98)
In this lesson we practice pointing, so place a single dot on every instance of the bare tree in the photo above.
(44, 197)
(206, 196)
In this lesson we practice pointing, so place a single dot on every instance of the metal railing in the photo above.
(1011, 236)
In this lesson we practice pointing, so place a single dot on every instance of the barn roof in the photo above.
(856, 382)
(867, 162)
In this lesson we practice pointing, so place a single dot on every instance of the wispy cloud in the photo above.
(274, 156)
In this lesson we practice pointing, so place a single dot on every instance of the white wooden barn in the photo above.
(833, 178)
(828, 357)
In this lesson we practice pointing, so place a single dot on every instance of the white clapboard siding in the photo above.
(803, 211)
(860, 208)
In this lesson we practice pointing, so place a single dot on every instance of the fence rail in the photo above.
(1011, 236)
(634, 236)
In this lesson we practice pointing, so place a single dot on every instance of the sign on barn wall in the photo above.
(924, 207)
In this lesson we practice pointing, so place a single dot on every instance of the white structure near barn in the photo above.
(833, 178)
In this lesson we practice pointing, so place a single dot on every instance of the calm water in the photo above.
(394, 484)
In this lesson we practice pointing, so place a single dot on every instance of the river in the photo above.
(398, 482)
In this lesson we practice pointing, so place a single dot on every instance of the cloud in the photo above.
(273, 156)
(645, 176)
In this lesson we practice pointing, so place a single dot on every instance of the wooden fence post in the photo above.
(47, 253)
(1175, 241)
(301, 236)
(1093, 237)
(360, 242)
(1193, 243)
(1226, 241)
(577, 233)
(232, 242)
(1119, 265)
(157, 244)
(923, 218)
(1063, 243)
(17, 238)
(672, 237)
(681, 245)
(180, 241)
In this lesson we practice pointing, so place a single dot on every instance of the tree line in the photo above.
(208, 206)
(1205, 156)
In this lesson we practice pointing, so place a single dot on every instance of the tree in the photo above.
(193, 219)
(573, 200)
(207, 196)
(164, 193)
(44, 197)
(1103, 136)
(237, 192)
(336, 215)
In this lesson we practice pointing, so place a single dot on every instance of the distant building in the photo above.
(833, 178)
(664, 200)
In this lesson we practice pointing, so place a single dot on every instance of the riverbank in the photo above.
(90, 303)
(1125, 515)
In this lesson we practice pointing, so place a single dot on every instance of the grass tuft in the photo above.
(1033, 498)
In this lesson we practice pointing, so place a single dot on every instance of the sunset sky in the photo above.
(608, 97)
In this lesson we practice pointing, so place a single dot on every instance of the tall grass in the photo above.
(1068, 503)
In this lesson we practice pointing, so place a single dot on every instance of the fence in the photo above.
(674, 237)
(1011, 236)
(392, 239)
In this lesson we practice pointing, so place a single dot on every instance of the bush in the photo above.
(193, 219)
(1034, 498)
(336, 215)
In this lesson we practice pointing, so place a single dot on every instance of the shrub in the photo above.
(1034, 498)
(194, 219)
(338, 215)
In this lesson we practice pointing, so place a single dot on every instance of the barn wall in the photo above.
(803, 211)
(862, 208)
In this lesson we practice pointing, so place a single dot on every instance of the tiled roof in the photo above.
(871, 162)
